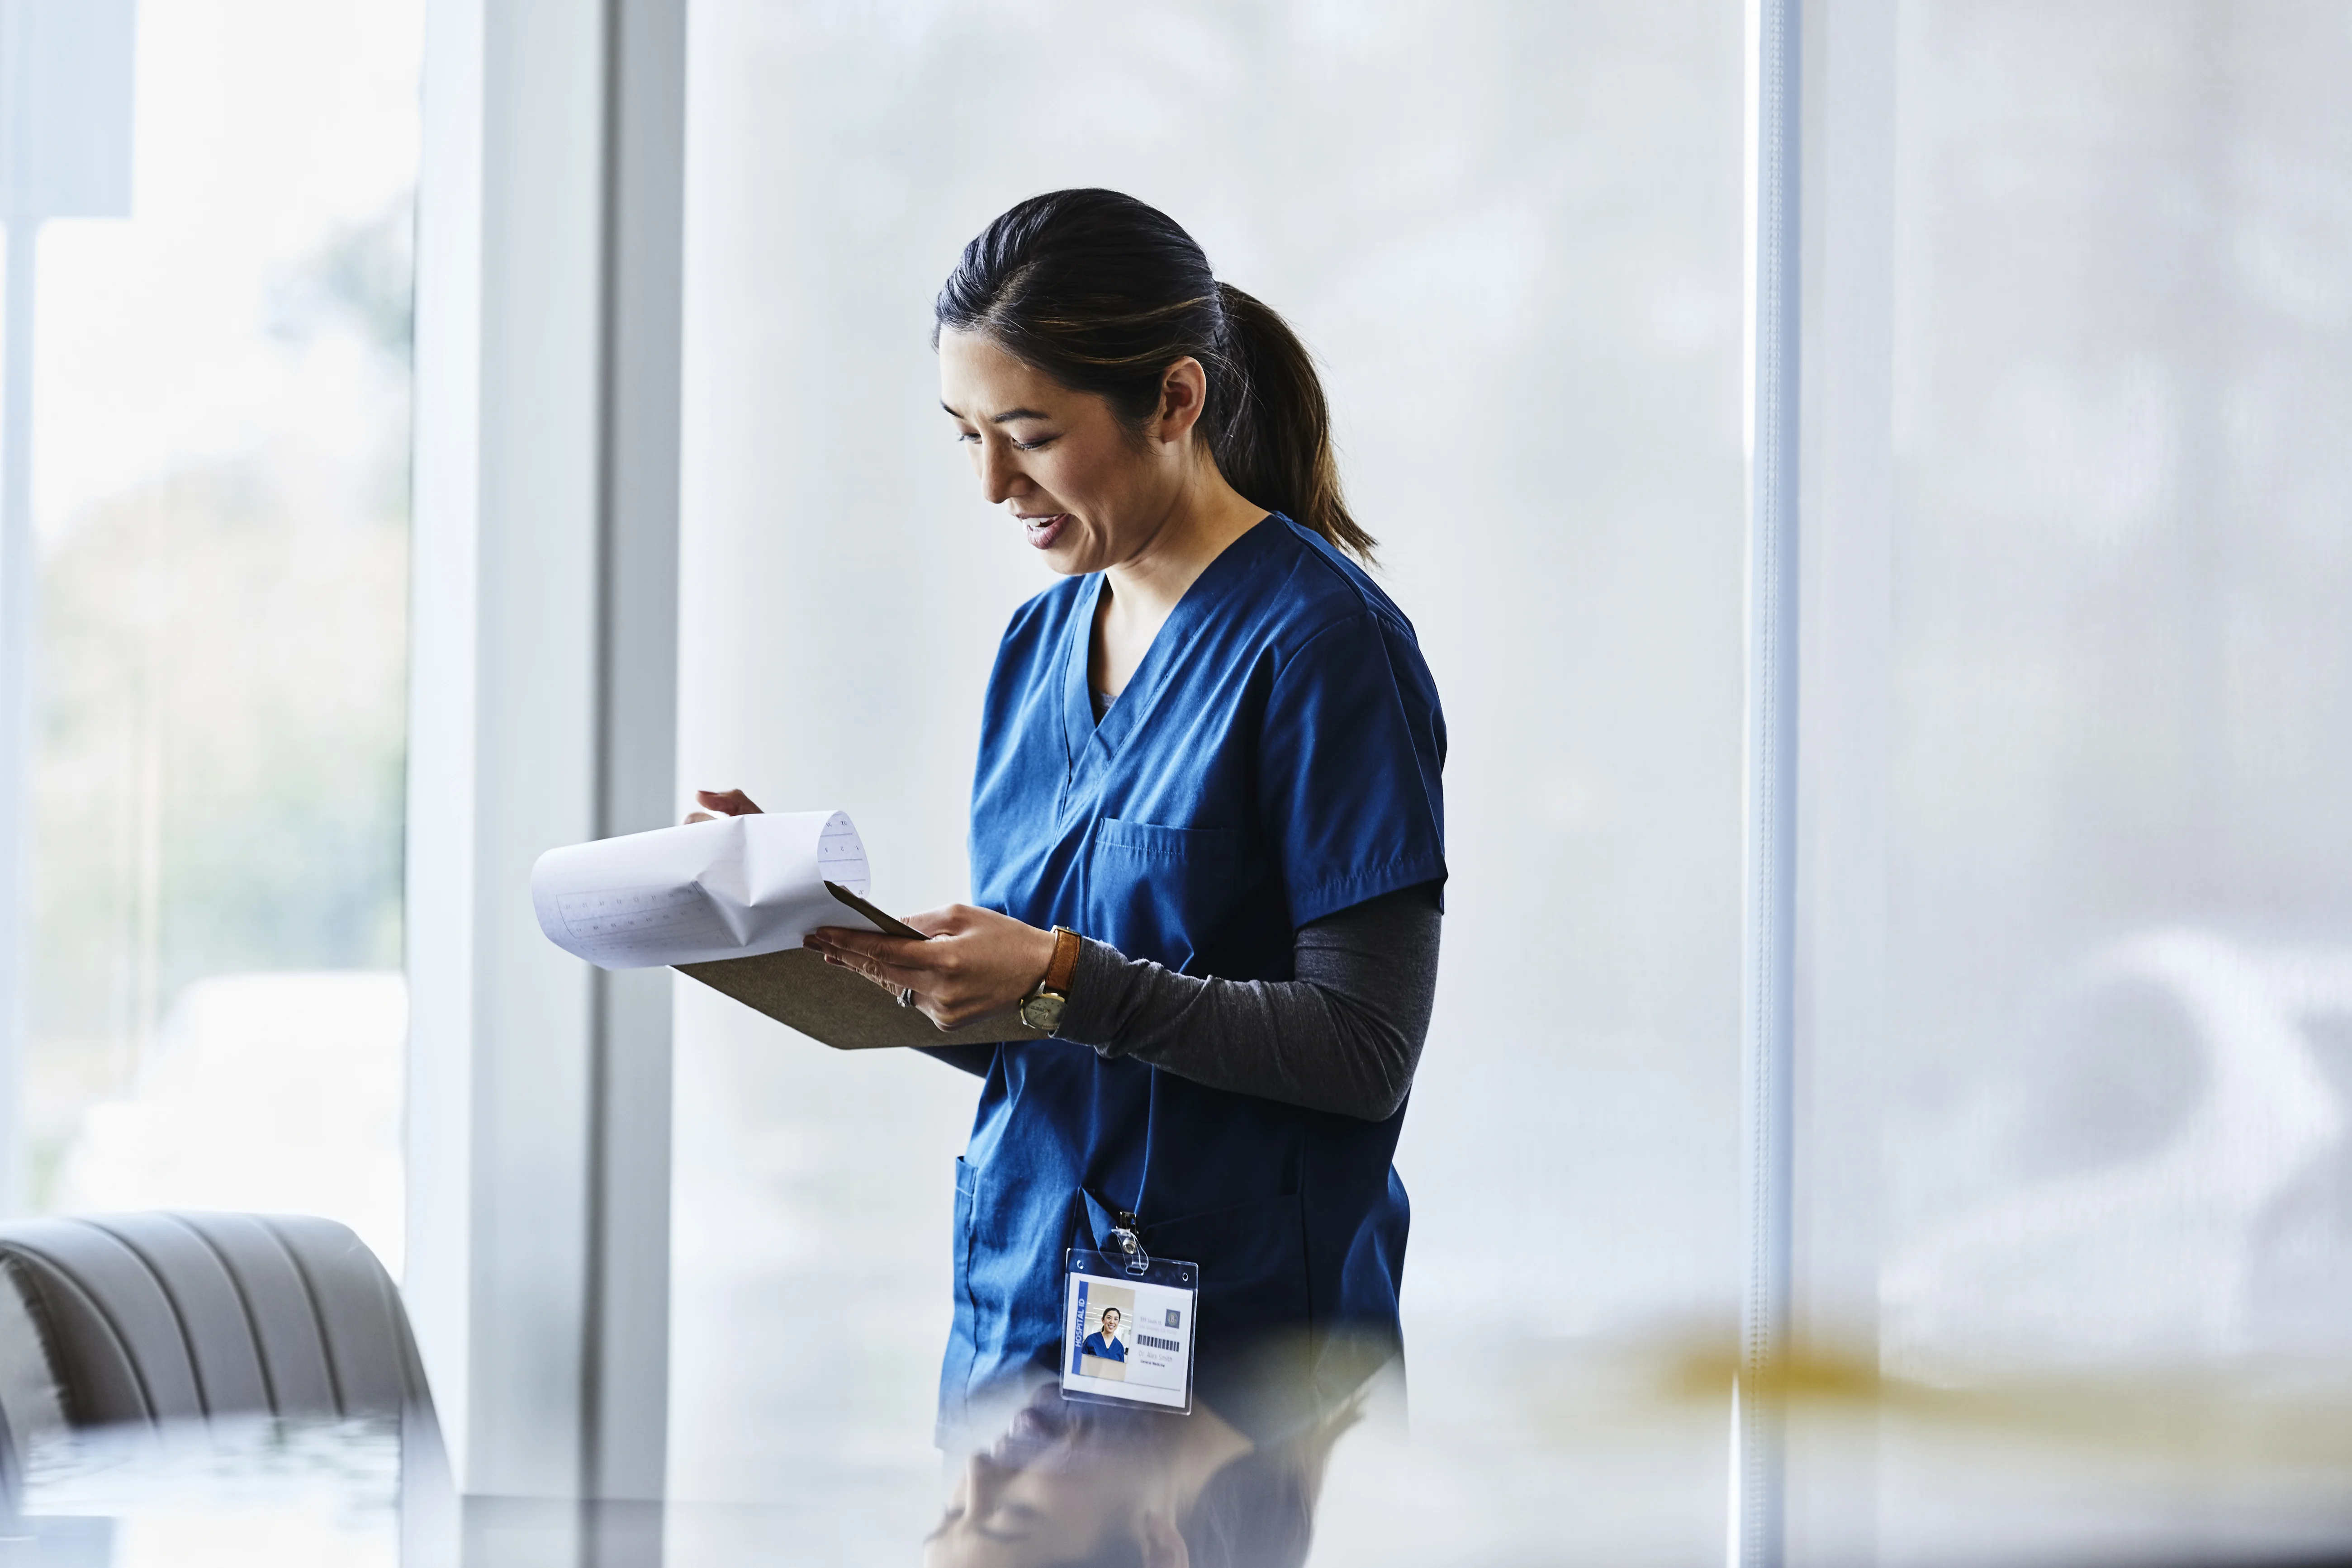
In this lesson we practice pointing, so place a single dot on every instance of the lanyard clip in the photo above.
(1139, 1262)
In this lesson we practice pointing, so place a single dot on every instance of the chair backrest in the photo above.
(169, 1317)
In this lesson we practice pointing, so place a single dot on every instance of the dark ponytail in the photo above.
(1103, 293)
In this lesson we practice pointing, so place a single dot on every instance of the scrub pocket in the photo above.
(1252, 1259)
(1256, 1342)
(1151, 890)
(967, 1182)
(955, 1369)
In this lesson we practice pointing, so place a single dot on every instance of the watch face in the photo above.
(1042, 1012)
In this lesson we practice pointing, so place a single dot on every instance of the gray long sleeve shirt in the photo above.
(1345, 1035)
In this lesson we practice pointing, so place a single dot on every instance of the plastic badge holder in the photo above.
(1150, 1335)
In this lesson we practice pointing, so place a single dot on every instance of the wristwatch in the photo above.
(1042, 1009)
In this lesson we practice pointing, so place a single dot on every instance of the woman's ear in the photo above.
(1184, 394)
(1163, 1542)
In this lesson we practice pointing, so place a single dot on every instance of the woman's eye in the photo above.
(973, 435)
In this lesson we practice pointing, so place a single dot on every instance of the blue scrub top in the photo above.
(1274, 759)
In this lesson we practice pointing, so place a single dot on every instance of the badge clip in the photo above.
(1139, 1262)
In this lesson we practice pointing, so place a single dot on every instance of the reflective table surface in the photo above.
(1612, 1454)
(258, 1491)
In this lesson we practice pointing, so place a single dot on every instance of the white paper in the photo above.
(725, 888)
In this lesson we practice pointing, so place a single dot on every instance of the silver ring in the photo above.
(906, 998)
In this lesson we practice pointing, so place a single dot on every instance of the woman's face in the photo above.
(1053, 1490)
(1087, 493)
(1001, 1516)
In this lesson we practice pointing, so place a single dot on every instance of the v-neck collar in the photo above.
(1091, 744)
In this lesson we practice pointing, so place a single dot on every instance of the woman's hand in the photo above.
(977, 961)
(717, 804)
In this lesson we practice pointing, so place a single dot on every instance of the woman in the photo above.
(1212, 752)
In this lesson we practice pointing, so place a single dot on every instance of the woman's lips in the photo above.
(1043, 531)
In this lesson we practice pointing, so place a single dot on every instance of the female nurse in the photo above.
(1207, 832)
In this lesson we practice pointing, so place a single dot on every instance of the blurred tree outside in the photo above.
(222, 673)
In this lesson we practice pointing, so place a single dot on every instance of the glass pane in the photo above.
(220, 476)
(2120, 974)
(1511, 230)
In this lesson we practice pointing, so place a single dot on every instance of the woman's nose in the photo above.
(999, 477)
(982, 1479)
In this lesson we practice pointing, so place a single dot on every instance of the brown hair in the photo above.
(1103, 293)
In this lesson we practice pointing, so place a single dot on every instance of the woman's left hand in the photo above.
(976, 964)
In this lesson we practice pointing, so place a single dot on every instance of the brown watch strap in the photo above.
(1065, 966)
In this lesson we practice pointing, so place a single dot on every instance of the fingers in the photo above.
(881, 958)
(943, 993)
(868, 946)
(891, 979)
(722, 803)
(873, 974)
(973, 963)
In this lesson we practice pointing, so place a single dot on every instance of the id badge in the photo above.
(1126, 1328)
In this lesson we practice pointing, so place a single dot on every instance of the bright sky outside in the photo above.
(262, 126)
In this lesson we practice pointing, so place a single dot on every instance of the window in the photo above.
(220, 461)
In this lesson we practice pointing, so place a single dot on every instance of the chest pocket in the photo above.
(1162, 892)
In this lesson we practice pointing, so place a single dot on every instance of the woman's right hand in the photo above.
(717, 804)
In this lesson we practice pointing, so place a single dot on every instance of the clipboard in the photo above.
(837, 1007)
(890, 925)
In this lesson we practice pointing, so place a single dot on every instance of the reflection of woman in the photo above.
(1206, 830)
(1081, 1486)
(1104, 1340)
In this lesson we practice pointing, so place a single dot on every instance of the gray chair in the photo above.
(157, 1319)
